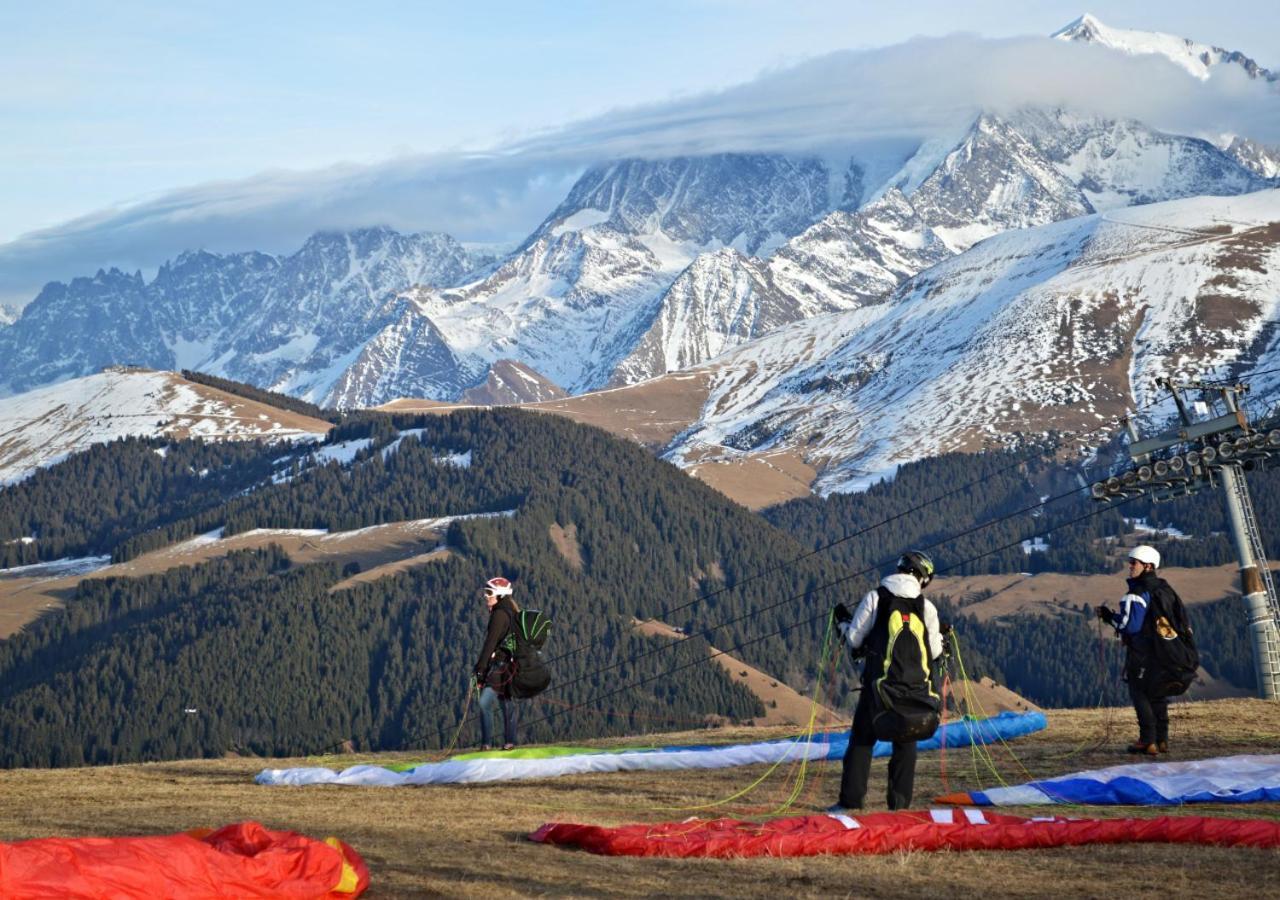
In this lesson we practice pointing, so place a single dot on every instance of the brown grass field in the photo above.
(470, 841)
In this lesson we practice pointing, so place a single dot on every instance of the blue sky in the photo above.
(110, 104)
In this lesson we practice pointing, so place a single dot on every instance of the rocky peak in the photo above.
(739, 199)
(510, 381)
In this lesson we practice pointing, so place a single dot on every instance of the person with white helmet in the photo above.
(867, 631)
(1149, 598)
(493, 670)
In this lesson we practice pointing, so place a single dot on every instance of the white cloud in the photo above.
(914, 90)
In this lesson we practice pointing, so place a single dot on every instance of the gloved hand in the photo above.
(947, 642)
(477, 680)
(842, 614)
(1106, 615)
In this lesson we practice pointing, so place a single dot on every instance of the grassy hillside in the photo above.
(470, 841)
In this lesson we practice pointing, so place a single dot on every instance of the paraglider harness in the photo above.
(525, 674)
(1167, 654)
(905, 706)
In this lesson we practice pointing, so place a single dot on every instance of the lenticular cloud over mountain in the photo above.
(884, 101)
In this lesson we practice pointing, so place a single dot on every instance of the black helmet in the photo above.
(917, 563)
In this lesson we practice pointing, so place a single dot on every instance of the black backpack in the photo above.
(1174, 657)
(907, 708)
(525, 640)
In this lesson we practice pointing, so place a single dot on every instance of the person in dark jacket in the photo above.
(859, 629)
(1130, 622)
(493, 669)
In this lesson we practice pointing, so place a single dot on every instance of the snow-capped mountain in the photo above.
(44, 426)
(1018, 171)
(8, 315)
(1041, 166)
(282, 323)
(582, 290)
(648, 265)
(725, 298)
(1197, 58)
(1059, 327)
(1261, 159)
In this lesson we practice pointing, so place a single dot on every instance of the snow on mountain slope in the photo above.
(746, 201)
(1197, 58)
(585, 286)
(1022, 170)
(1261, 159)
(44, 426)
(1039, 166)
(408, 357)
(1053, 328)
(275, 322)
(8, 315)
(724, 298)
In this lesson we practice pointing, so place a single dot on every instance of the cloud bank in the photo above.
(918, 90)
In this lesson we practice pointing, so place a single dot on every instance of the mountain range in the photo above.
(658, 265)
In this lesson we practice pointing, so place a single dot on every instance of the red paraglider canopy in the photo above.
(943, 829)
(243, 860)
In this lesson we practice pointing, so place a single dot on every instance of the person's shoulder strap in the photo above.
(886, 598)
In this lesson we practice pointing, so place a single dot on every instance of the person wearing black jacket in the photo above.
(1132, 624)
(492, 672)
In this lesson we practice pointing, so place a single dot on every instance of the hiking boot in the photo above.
(1138, 747)
(1162, 746)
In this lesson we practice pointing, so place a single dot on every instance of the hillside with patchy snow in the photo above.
(1056, 328)
(43, 426)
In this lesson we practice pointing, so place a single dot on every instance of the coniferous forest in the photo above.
(253, 654)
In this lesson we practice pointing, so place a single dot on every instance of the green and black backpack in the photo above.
(525, 640)
(907, 707)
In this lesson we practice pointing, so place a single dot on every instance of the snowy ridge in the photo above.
(1197, 58)
(1041, 166)
(42, 427)
(1058, 327)
(293, 323)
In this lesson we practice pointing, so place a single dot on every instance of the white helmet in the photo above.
(1145, 554)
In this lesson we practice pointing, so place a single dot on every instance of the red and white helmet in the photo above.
(499, 587)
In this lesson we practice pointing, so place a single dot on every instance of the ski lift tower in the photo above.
(1201, 455)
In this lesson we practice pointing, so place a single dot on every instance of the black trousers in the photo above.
(857, 761)
(1153, 715)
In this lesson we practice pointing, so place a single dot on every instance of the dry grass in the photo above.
(650, 413)
(759, 481)
(469, 841)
